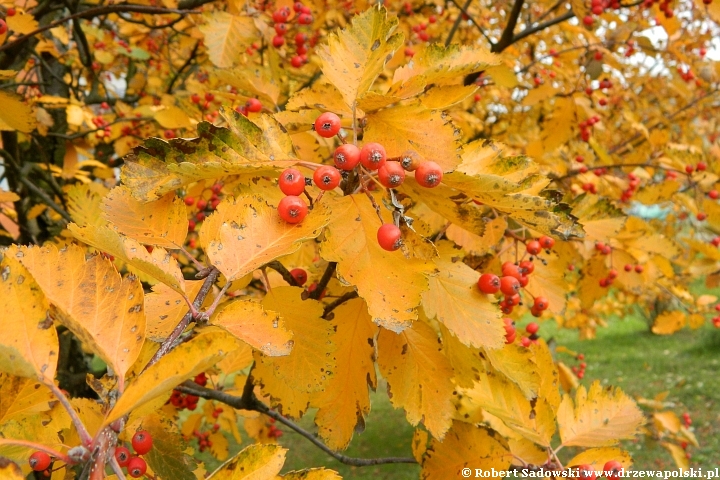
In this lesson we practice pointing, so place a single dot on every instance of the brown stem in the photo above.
(169, 342)
(286, 275)
(507, 37)
(322, 284)
(337, 302)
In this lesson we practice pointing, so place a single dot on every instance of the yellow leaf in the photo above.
(227, 36)
(22, 23)
(390, 284)
(696, 320)
(465, 360)
(476, 244)
(159, 167)
(516, 363)
(254, 462)
(250, 322)
(454, 299)
(320, 96)
(29, 343)
(667, 421)
(445, 202)
(159, 264)
(260, 82)
(678, 455)
(355, 56)
(22, 396)
(669, 322)
(568, 380)
(173, 117)
(441, 98)
(436, 64)
(549, 382)
(10, 470)
(245, 233)
(70, 161)
(167, 458)
(548, 280)
(161, 223)
(310, 364)
(600, 417)
(415, 127)
(558, 129)
(503, 76)
(527, 450)
(419, 444)
(164, 308)
(15, 114)
(8, 196)
(498, 395)
(465, 445)
(182, 363)
(478, 156)
(102, 309)
(537, 95)
(418, 376)
(657, 192)
(597, 457)
(345, 401)
(589, 288)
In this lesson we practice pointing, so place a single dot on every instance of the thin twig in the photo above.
(456, 24)
(180, 328)
(507, 37)
(337, 302)
(286, 275)
(322, 284)
(82, 431)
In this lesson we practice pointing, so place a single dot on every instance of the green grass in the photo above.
(624, 354)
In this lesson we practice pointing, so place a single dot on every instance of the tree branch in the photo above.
(455, 26)
(322, 284)
(96, 12)
(541, 26)
(280, 268)
(241, 403)
(189, 60)
(507, 38)
(169, 342)
(337, 302)
(472, 19)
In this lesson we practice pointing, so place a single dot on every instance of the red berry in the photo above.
(546, 242)
(588, 20)
(509, 285)
(3, 27)
(136, 467)
(533, 247)
(612, 274)
(292, 209)
(39, 461)
(11, 12)
(278, 41)
(169, 133)
(299, 275)
(201, 204)
(296, 61)
(638, 268)
(306, 9)
(291, 182)
(428, 174)
(327, 125)
(389, 237)
(305, 19)
(216, 188)
(209, 97)
(532, 328)
(201, 379)
(142, 442)
(391, 175)
(689, 168)
(298, 6)
(527, 267)
(281, 28)
(701, 166)
(612, 469)
(372, 156)
(541, 303)
(253, 105)
(189, 201)
(300, 38)
(346, 156)
(489, 283)
(512, 270)
(714, 194)
(701, 216)
(281, 15)
(525, 342)
(327, 177)
(122, 455)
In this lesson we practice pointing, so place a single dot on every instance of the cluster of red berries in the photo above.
(716, 319)
(585, 127)
(182, 400)
(209, 98)
(372, 158)
(597, 7)
(511, 333)
(203, 438)
(514, 277)
(204, 206)
(611, 469)
(633, 184)
(142, 443)
(579, 369)
(103, 127)
(282, 17)
(687, 421)
(273, 431)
